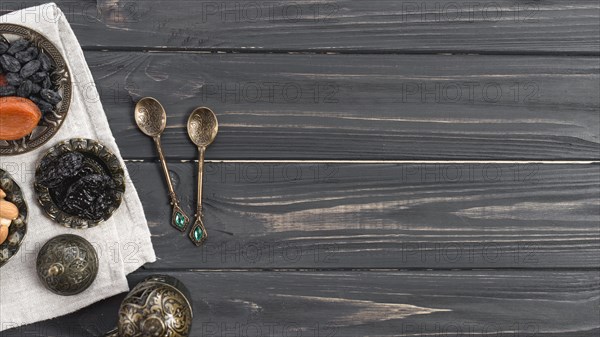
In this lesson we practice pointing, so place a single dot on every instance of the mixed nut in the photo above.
(8, 213)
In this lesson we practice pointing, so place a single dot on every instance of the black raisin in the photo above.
(38, 77)
(9, 63)
(55, 171)
(3, 47)
(50, 96)
(46, 62)
(44, 106)
(27, 55)
(17, 46)
(7, 90)
(35, 88)
(47, 83)
(30, 68)
(25, 89)
(91, 197)
(14, 79)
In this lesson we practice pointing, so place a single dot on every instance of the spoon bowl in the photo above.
(150, 116)
(202, 127)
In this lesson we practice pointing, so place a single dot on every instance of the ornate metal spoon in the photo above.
(151, 118)
(202, 128)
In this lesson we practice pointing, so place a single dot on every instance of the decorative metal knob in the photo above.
(67, 264)
(159, 306)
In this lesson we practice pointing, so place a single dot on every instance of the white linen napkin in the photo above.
(123, 242)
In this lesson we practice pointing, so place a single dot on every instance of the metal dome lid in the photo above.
(159, 306)
(67, 264)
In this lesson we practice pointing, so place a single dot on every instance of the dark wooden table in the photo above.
(383, 168)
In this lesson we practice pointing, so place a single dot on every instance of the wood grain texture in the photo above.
(358, 106)
(500, 26)
(412, 303)
(378, 216)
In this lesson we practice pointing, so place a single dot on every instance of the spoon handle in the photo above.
(179, 219)
(202, 150)
(198, 233)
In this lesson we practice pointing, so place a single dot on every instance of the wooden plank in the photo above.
(379, 216)
(411, 303)
(498, 26)
(359, 106)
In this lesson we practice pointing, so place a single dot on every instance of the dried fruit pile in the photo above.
(76, 188)
(25, 71)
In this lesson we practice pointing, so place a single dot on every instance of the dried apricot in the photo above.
(18, 117)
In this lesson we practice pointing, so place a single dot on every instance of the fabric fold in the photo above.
(123, 242)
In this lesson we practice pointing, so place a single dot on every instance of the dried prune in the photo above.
(90, 197)
(9, 63)
(55, 171)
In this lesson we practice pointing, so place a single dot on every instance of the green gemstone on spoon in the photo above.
(179, 220)
(198, 233)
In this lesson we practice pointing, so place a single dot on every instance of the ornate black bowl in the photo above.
(18, 228)
(98, 159)
(61, 78)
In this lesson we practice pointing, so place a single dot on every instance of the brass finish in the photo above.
(158, 306)
(151, 118)
(67, 264)
(98, 159)
(18, 227)
(202, 128)
(51, 122)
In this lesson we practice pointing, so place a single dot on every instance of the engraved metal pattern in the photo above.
(202, 126)
(101, 160)
(202, 129)
(159, 306)
(18, 228)
(67, 264)
(61, 77)
(150, 117)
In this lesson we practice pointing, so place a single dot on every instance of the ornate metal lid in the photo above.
(67, 264)
(159, 306)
